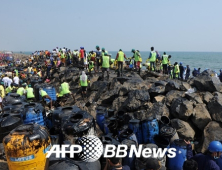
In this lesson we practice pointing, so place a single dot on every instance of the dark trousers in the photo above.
(48, 71)
(120, 68)
(152, 65)
(165, 71)
(97, 64)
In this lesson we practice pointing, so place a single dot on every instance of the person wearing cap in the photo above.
(152, 59)
(2, 94)
(30, 95)
(176, 70)
(195, 72)
(98, 57)
(105, 60)
(165, 62)
(104, 51)
(181, 71)
(206, 161)
(44, 96)
(83, 83)
(136, 56)
(114, 164)
(21, 90)
(120, 58)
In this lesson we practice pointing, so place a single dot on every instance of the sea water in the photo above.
(203, 60)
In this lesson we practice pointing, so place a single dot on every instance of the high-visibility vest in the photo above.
(91, 65)
(8, 89)
(20, 91)
(136, 56)
(83, 83)
(153, 56)
(30, 93)
(120, 56)
(165, 59)
(65, 88)
(43, 93)
(105, 63)
(176, 69)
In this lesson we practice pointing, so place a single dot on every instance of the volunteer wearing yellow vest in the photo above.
(30, 95)
(8, 90)
(91, 66)
(152, 59)
(63, 58)
(105, 60)
(2, 94)
(83, 83)
(176, 70)
(44, 95)
(64, 90)
(21, 91)
(137, 59)
(120, 58)
(165, 63)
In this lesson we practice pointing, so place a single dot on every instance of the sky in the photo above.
(168, 25)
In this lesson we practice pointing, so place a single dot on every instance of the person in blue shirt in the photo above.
(206, 161)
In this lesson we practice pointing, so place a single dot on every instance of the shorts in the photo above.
(138, 64)
(63, 60)
(105, 69)
(84, 88)
(0, 99)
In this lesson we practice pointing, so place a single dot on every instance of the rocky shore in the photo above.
(194, 107)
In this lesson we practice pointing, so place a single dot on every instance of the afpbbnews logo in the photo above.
(90, 149)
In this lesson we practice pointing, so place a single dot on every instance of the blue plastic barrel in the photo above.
(150, 128)
(127, 134)
(176, 163)
(33, 116)
(100, 119)
(134, 125)
(51, 91)
(130, 161)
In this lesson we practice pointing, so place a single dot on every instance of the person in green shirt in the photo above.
(105, 60)
(21, 90)
(64, 90)
(30, 95)
(120, 58)
(44, 96)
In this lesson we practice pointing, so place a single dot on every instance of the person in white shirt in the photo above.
(9, 81)
(29, 69)
(16, 80)
(5, 80)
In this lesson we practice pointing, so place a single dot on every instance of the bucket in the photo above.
(110, 125)
(110, 112)
(181, 152)
(150, 128)
(135, 126)
(130, 161)
(100, 119)
(164, 120)
(161, 142)
(169, 133)
(127, 134)
(26, 147)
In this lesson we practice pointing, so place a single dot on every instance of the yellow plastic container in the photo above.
(26, 147)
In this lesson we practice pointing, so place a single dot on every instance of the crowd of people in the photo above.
(19, 82)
